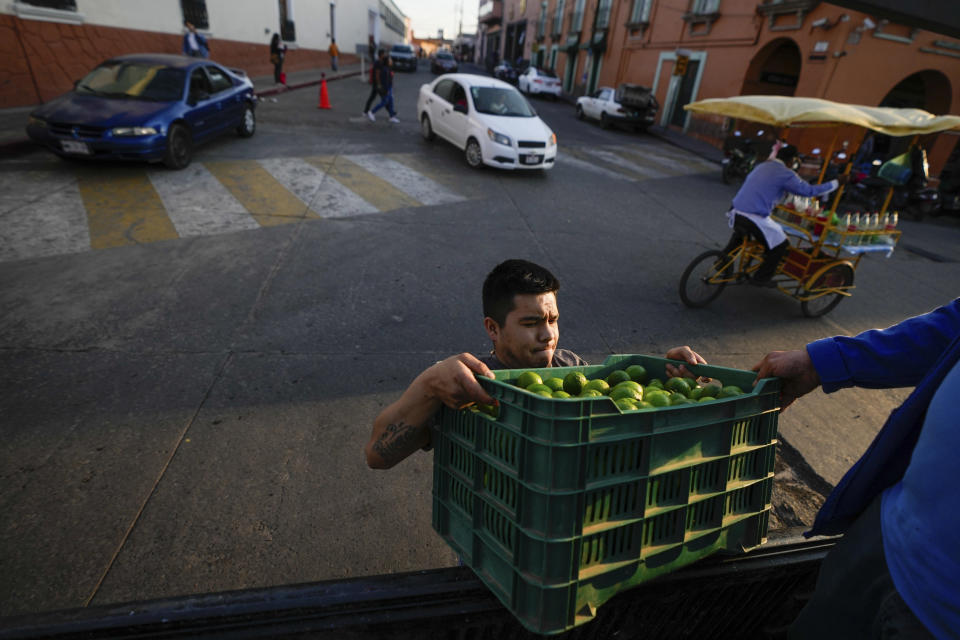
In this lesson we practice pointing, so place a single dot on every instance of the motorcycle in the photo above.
(911, 195)
(740, 156)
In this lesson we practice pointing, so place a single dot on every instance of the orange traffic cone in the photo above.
(324, 98)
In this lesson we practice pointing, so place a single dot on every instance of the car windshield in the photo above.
(402, 48)
(499, 101)
(134, 80)
(546, 73)
(444, 56)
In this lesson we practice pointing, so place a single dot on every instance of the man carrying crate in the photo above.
(896, 572)
(522, 320)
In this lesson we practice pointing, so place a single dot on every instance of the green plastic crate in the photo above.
(559, 504)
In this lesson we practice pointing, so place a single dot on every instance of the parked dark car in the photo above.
(506, 72)
(152, 107)
(403, 57)
(443, 62)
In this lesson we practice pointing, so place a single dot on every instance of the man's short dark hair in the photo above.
(510, 278)
(787, 153)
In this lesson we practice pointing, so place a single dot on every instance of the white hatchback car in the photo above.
(487, 118)
(536, 81)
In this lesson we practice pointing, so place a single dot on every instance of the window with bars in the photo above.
(195, 12)
(603, 14)
(641, 11)
(701, 7)
(576, 21)
(558, 17)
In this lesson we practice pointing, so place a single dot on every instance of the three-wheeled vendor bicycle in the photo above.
(818, 270)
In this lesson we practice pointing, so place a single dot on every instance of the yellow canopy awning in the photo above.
(781, 111)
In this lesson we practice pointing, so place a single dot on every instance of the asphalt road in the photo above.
(190, 362)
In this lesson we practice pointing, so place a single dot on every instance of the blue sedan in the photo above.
(151, 107)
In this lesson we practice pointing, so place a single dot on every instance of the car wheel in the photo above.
(179, 148)
(425, 129)
(473, 153)
(579, 112)
(604, 120)
(248, 126)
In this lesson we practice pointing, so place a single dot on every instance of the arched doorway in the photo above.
(774, 70)
(929, 90)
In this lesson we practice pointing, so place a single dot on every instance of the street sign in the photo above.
(680, 66)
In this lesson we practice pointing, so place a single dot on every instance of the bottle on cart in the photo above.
(890, 227)
(875, 228)
(853, 230)
(848, 227)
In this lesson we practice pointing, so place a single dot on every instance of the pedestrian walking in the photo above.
(374, 72)
(278, 51)
(385, 89)
(334, 52)
(194, 44)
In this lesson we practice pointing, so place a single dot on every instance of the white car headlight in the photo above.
(553, 140)
(499, 138)
(133, 131)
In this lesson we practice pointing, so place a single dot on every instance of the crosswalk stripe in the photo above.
(606, 163)
(326, 196)
(198, 204)
(47, 225)
(648, 169)
(123, 208)
(375, 190)
(565, 157)
(666, 162)
(413, 183)
(451, 177)
(684, 157)
(260, 193)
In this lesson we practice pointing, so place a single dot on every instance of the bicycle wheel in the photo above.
(696, 290)
(837, 275)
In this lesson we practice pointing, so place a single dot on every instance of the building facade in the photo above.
(689, 50)
(46, 45)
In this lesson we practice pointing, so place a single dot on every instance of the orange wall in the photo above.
(40, 60)
(861, 72)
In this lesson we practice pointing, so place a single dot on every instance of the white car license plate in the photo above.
(72, 146)
(530, 158)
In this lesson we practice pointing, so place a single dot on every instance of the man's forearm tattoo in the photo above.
(396, 442)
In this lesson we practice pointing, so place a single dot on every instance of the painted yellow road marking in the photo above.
(123, 209)
(260, 193)
(375, 190)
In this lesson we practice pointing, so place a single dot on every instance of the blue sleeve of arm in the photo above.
(796, 184)
(898, 356)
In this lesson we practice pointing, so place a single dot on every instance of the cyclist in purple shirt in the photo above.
(754, 202)
(896, 572)
(522, 320)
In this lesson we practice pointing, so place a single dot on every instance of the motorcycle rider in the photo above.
(750, 211)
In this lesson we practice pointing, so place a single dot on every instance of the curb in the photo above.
(301, 85)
